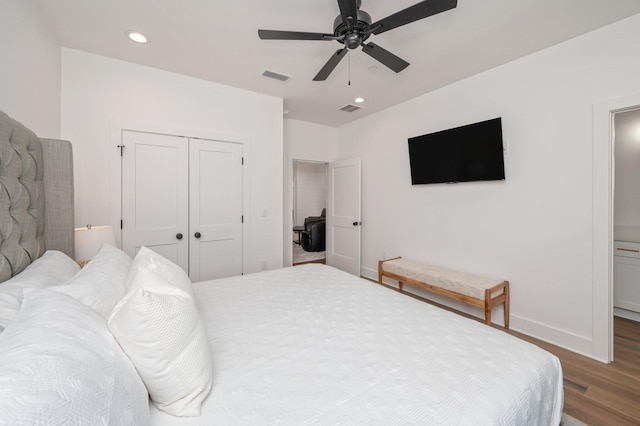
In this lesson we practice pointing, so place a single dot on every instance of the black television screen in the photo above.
(468, 153)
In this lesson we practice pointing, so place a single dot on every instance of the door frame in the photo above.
(602, 222)
(115, 170)
(287, 220)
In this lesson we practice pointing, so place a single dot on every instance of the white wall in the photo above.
(310, 190)
(303, 141)
(310, 141)
(100, 94)
(627, 169)
(30, 70)
(535, 228)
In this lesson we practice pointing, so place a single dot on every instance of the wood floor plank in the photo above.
(592, 414)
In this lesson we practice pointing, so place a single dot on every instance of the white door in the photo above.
(343, 216)
(155, 196)
(215, 213)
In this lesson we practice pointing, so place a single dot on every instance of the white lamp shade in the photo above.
(89, 240)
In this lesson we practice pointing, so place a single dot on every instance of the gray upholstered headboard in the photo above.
(36, 197)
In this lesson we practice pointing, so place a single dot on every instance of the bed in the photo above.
(113, 343)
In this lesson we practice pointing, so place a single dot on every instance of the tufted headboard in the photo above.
(36, 197)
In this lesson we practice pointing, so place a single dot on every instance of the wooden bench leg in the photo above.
(506, 305)
(487, 307)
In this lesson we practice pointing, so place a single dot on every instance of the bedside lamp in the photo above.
(89, 240)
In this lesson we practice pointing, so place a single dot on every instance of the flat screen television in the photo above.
(463, 154)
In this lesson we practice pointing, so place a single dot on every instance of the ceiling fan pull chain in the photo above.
(349, 84)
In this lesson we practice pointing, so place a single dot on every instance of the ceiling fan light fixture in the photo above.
(137, 36)
(354, 26)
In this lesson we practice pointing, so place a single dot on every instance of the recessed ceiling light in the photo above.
(137, 36)
(358, 100)
(373, 68)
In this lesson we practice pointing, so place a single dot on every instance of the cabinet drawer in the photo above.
(626, 249)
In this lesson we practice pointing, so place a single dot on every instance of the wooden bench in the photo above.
(471, 289)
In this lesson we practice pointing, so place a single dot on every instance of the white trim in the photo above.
(287, 255)
(115, 181)
(602, 225)
(623, 313)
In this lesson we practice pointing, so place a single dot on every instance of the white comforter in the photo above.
(312, 345)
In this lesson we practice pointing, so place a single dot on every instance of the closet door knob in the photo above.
(197, 235)
(179, 236)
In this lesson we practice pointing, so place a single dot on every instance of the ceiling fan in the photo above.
(353, 27)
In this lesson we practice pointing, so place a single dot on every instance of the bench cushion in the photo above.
(459, 282)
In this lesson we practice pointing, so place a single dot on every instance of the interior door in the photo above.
(343, 216)
(155, 196)
(215, 213)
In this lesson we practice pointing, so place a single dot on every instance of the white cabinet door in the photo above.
(155, 196)
(215, 212)
(626, 287)
(343, 216)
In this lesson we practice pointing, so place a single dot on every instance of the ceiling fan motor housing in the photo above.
(353, 37)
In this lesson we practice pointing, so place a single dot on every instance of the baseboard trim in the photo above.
(573, 342)
(623, 313)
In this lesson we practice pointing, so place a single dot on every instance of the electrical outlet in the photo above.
(384, 254)
(265, 265)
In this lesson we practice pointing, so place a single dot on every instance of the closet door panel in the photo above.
(155, 195)
(215, 214)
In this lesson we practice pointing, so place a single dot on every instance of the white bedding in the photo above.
(312, 345)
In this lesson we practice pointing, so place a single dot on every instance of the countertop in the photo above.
(628, 233)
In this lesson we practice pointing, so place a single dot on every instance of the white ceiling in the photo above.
(217, 41)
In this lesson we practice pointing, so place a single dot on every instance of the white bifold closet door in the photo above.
(182, 198)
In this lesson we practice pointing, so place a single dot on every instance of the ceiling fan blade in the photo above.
(349, 12)
(293, 35)
(385, 57)
(413, 13)
(333, 62)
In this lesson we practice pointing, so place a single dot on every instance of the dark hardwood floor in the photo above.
(596, 393)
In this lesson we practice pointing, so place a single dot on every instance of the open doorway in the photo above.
(603, 230)
(626, 216)
(309, 211)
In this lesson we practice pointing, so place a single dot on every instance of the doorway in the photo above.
(603, 234)
(309, 212)
(626, 214)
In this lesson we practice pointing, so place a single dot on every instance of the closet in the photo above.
(182, 197)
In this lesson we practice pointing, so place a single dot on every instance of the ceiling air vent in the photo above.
(275, 75)
(349, 108)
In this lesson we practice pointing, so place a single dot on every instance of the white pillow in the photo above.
(160, 329)
(60, 365)
(52, 268)
(165, 268)
(101, 283)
